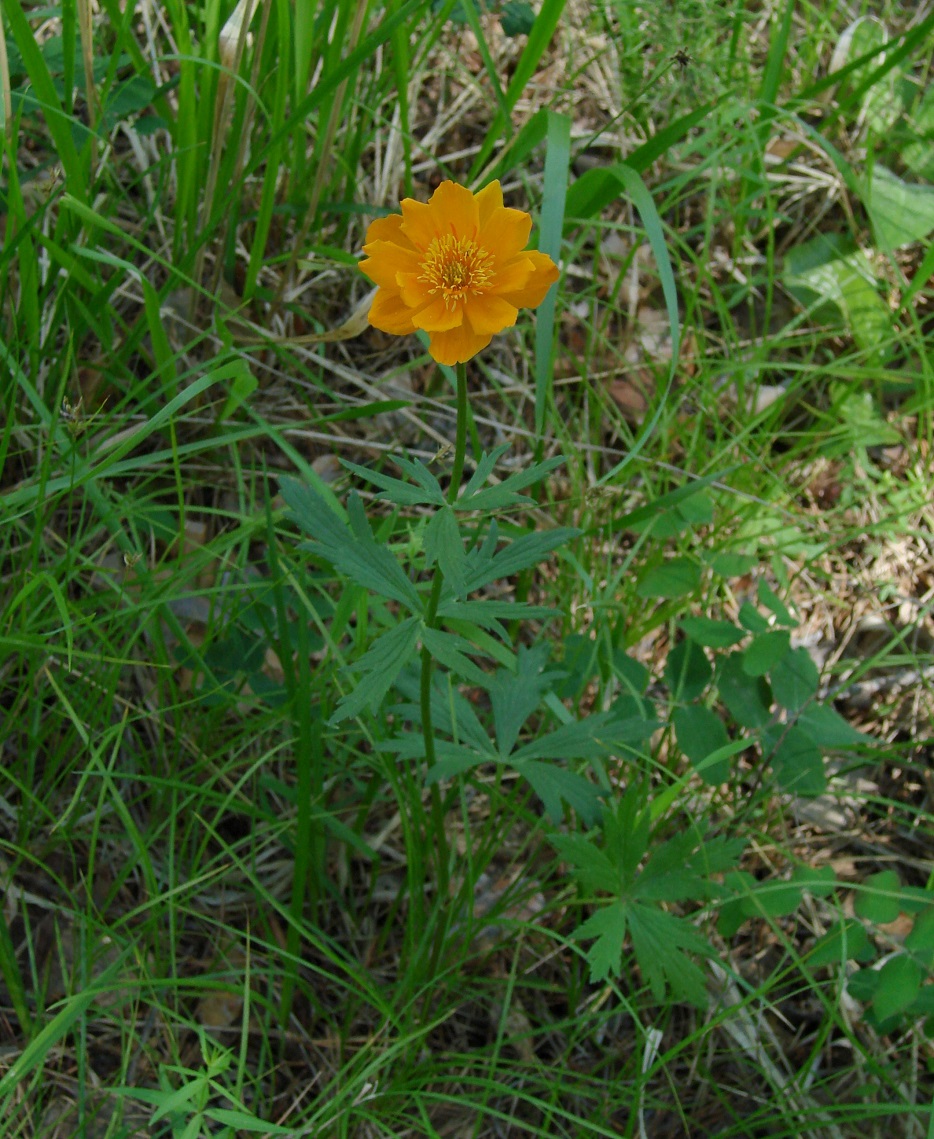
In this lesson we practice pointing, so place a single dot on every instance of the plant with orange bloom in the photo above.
(456, 268)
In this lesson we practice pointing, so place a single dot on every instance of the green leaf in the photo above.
(451, 650)
(379, 665)
(796, 761)
(517, 18)
(591, 865)
(350, 549)
(578, 664)
(828, 729)
(898, 985)
(554, 784)
(770, 599)
(608, 926)
(918, 155)
(675, 578)
(700, 733)
(765, 651)
(485, 566)
(661, 942)
(777, 899)
(444, 545)
(794, 681)
(687, 670)
(748, 699)
(243, 385)
(632, 673)
(901, 212)
(426, 492)
(819, 881)
(825, 274)
(878, 901)
(921, 939)
(846, 941)
(738, 904)
(732, 565)
(506, 493)
(751, 619)
(713, 634)
(515, 697)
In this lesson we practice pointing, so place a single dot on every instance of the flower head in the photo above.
(456, 267)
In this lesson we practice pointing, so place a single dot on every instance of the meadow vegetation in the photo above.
(581, 791)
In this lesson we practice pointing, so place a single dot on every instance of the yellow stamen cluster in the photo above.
(454, 267)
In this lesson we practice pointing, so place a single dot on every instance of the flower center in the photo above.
(455, 266)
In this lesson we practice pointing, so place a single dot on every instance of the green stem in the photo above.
(431, 613)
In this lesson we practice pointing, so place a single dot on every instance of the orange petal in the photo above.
(414, 290)
(489, 199)
(505, 233)
(386, 262)
(513, 276)
(489, 314)
(543, 275)
(438, 317)
(458, 345)
(457, 208)
(387, 229)
(390, 313)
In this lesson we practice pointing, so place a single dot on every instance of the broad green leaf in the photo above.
(898, 986)
(846, 941)
(379, 666)
(751, 619)
(827, 274)
(878, 900)
(794, 681)
(765, 651)
(711, 633)
(796, 761)
(579, 663)
(445, 546)
(732, 565)
(918, 155)
(921, 939)
(770, 599)
(828, 729)
(748, 699)
(634, 675)
(738, 904)
(901, 212)
(777, 899)
(819, 881)
(687, 670)
(675, 578)
(700, 733)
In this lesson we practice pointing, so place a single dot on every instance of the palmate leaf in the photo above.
(426, 491)
(451, 650)
(379, 666)
(506, 494)
(554, 785)
(485, 565)
(515, 696)
(444, 545)
(661, 943)
(351, 549)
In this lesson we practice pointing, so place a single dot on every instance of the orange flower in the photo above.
(456, 267)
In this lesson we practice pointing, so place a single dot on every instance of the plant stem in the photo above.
(431, 611)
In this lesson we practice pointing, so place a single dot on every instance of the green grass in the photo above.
(222, 912)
